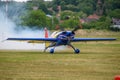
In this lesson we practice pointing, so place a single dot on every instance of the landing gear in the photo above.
(52, 51)
(77, 51)
(51, 45)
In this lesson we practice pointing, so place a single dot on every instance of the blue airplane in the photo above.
(60, 38)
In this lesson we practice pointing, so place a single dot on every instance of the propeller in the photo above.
(58, 27)
(76, 28)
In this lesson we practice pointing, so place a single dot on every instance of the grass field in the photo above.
(97, 61)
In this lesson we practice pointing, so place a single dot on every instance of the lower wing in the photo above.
(92, 39)
(34, 40)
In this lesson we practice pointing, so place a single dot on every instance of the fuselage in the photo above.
(63, 37)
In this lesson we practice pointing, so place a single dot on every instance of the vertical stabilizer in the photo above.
(46, 36)
(46, 33)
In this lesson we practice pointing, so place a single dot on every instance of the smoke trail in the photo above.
(7, 29)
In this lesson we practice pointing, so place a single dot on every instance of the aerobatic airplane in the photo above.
(60, 38)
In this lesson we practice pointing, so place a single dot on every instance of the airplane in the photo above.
(59, 38)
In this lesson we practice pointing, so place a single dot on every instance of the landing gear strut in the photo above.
(77, 51)
(52, 45)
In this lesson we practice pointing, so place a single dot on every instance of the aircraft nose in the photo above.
(68, 34)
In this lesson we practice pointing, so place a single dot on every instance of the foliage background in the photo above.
(23, 14)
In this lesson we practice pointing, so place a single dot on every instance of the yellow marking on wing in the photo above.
(34, 41)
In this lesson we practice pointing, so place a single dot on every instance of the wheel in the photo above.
(77, 51)
(52, 51)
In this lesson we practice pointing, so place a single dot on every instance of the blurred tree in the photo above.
(37, 3)
(35, 18)
(115, 13)
(65, 14)
(74, 9)
(69, 23)
(102, 23)
(81, 14)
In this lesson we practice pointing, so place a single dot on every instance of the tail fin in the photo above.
(46, 33)
(46, 36)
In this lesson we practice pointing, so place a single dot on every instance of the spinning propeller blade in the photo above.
(76, 28)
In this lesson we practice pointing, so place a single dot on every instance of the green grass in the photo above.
(97, 61)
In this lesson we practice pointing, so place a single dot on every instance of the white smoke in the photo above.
(7, 29)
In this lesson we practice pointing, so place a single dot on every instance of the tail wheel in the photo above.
(77, 51)
(52, 51)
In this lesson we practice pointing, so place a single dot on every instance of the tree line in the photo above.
(65, 13)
